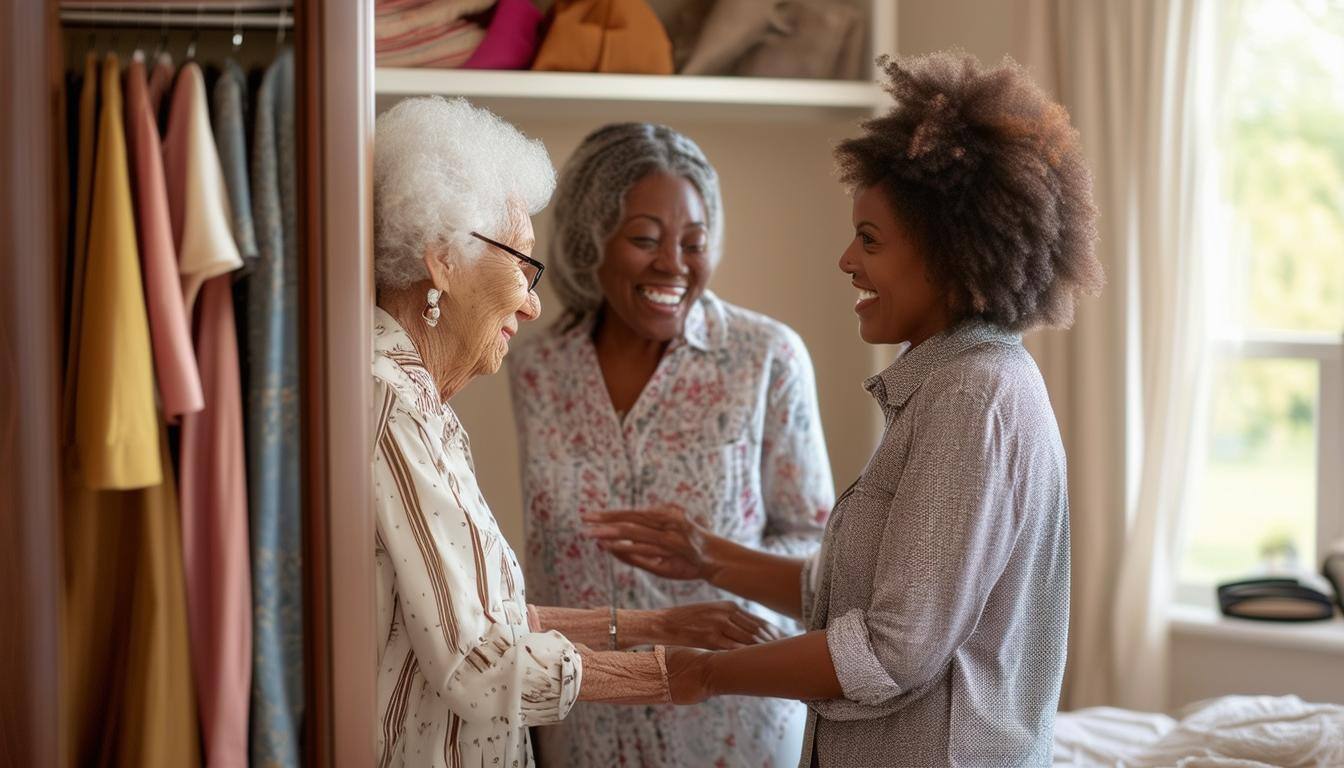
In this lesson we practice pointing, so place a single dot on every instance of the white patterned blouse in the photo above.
(728, 428)
(460, 675)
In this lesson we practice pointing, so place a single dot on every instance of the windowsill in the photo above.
(1197, 621)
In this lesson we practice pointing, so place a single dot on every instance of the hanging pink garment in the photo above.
(213, 479)
(179, 381)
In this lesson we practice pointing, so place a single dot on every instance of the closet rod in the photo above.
(197, 6)
(177, 20)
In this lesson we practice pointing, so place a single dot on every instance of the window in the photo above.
(1272, 472)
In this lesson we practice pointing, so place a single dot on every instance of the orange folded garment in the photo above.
(605, 36)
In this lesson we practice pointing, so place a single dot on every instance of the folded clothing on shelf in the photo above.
(512, 35)
(623, 36)
(427, 33)
(819, 39)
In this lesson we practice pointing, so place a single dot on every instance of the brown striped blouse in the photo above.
(460, 674)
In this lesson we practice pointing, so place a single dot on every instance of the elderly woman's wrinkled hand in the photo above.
(664, 541)
(717, 626)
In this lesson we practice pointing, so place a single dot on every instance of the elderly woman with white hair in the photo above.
(652, 391)
(465, 664)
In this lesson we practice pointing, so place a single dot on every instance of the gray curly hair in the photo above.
(442, 169)
(591, 195)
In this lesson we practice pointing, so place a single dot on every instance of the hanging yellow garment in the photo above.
(127, 687)
(130, 698)
(116, 423)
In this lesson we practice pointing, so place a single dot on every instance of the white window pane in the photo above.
(1282, 150)
(1257, 505)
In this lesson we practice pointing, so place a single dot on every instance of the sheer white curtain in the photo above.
(1138, 77)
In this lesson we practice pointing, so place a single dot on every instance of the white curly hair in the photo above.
(442, 169)
(591, 196)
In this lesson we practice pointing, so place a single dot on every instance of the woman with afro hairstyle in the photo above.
(938, 605)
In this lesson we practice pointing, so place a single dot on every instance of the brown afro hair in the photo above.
(987, 173)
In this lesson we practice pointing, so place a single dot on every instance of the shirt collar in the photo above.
(697, 333)
(396, 361)
(893, 387)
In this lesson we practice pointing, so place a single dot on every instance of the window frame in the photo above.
(1327, 351)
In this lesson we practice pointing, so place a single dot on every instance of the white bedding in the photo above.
(1227, 732)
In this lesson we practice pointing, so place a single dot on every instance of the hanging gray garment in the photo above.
(273, 430)
(229, 121)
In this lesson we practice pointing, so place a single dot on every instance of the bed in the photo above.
(1227, 732)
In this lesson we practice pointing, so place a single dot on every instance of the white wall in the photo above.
(1205, 664)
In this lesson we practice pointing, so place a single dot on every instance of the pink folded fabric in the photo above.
(511, 37)
(427, 33)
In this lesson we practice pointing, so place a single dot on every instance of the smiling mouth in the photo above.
(866, 299)
(663, 295)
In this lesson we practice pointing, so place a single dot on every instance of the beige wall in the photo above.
(787, 221)
(989, 29)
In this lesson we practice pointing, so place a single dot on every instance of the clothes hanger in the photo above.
(116, 38)
(237, 32)
(195, 34)
(163, 35)
(280, 29)
(138, 49)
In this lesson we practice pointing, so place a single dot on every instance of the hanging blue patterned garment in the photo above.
(273, 430)
(229, 100)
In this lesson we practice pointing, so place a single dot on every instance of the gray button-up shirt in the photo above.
(943, 579)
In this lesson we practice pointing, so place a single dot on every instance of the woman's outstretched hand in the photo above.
(664, 541)
(717, 626)
(688, 675)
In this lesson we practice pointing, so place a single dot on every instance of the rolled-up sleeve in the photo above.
(481, 657)
(947, 539)
(796, 480)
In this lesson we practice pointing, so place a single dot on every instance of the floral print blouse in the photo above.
(461, 677)
(727, 428)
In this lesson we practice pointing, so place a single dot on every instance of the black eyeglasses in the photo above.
(532, 268)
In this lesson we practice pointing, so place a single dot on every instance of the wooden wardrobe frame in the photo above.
(334, 123)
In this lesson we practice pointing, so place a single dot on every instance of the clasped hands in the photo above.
(667, 542)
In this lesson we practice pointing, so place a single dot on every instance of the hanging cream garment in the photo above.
(202, 221)
(127, 693)
(213, 475)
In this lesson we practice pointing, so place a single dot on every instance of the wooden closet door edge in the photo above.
(30, 577)
(334, 60)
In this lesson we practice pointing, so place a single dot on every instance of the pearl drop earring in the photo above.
(431, 313)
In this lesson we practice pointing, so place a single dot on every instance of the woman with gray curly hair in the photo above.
(465, 665)
(650, 391)
(938, 605)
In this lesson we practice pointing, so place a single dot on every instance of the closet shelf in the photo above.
(658, 97)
